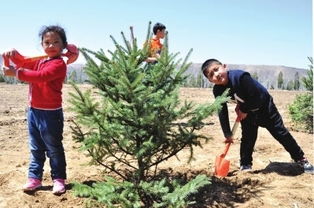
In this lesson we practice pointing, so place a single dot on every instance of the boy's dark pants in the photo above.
(268, 117)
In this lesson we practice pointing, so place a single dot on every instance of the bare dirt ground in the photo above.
(275, 181)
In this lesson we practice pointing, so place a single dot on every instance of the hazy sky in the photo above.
(270, 32)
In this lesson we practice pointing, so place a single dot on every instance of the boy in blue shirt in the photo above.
(255, 107)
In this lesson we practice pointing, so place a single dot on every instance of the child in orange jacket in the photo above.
(159, 31)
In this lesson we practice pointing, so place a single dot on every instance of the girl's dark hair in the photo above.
(208, 63)
(158, 26)
(56, 29)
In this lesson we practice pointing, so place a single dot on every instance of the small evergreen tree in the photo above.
(296, 81)
(200, 80)
(255, 76)
(73, 77)
(308, 81)
(136, 123)
(192, 81)
(280, 80)
(290, 85)
(272, 87)
(301, 110)
(2, 78)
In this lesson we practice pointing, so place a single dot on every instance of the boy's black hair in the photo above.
(56, 29)
(158, 26)
(208, 63)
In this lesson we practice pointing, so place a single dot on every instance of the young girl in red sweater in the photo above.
(45, 114)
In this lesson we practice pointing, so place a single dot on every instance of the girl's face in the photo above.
(52, 44)
(217, 74)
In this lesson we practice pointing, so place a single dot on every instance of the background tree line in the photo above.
(199, 81)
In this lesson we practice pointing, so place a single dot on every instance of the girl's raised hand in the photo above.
(9, 71)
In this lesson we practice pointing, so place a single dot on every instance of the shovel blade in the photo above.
(221, 166)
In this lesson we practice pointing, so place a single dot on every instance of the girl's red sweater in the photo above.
(45, 78)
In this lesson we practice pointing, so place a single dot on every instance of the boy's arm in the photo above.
(223, 113)
(224, 121)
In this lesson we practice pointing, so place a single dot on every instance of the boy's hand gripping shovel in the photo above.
(221, 164)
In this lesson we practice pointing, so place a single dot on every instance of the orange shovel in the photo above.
(72, 54)
(221, 164)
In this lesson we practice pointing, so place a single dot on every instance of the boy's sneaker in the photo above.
(32, 184)
(306, 166)
(246, 167)
(58, 186)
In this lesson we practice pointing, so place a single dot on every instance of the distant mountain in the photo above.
(267, 74)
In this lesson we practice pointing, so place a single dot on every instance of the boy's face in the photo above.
(161, 33)
(217, 74)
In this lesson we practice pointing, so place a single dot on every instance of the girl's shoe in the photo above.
(32, 184)
(58, 186)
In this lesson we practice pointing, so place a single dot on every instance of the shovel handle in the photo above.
(226, 150)
(234, 129)
(72, 55)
